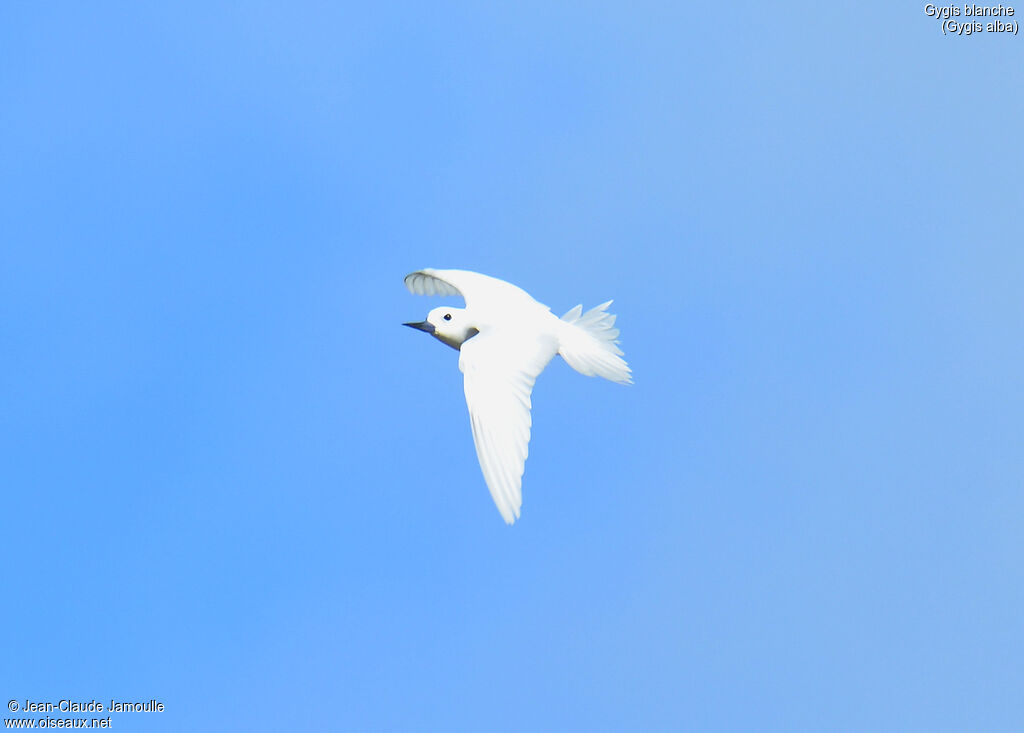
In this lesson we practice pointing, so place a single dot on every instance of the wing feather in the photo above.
(423, 282)
(499, 373)
(483, 293)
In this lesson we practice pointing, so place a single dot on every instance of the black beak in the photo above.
(421, 326)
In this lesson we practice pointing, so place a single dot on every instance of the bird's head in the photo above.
(448, 325)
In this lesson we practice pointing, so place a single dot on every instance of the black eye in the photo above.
(447, 316)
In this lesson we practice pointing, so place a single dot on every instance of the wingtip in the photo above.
(428, 282)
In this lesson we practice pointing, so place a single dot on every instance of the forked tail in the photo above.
(588, 344)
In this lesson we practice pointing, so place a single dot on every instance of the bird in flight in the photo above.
(505, 338)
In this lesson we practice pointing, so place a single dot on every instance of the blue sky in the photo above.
(233, 483)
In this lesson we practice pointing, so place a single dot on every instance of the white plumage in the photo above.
(505, 339)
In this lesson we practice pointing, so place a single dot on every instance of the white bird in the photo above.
(505, 339)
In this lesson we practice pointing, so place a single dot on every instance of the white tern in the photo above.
(505, 339)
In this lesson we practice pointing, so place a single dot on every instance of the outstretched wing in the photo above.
(500, 370)
(481, 292)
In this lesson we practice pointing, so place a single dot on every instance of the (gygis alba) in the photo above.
(505, 339)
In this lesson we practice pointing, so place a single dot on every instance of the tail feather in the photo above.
(588, 344)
